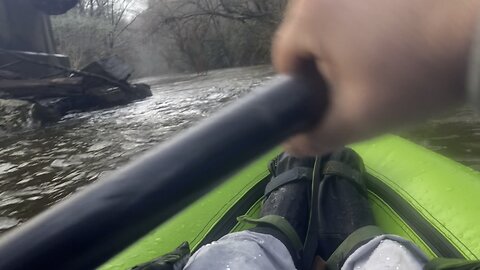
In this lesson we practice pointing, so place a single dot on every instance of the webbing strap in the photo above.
(452, 264)
(176, 259)
(279, 223)
(353, 241)
(338, 168)
(295, 174)
(311, 239)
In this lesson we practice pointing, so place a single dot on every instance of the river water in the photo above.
(40, 167)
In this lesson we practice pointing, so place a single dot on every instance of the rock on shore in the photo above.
(16, 115)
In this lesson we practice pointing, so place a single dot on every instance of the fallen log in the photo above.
(107, 70)
(39, 89)
(104, 97)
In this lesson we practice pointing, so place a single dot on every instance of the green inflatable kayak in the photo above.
(415, 193)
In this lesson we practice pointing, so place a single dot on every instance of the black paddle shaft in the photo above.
(87, 229)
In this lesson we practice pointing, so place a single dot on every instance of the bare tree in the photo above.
(217, 33)
(94, 29)
(179, 35)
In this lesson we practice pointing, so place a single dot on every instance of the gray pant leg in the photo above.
(242, 250)
(250, 250)
(386, 252)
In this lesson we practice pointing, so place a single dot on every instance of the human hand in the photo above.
(386, 62)
(319, 264)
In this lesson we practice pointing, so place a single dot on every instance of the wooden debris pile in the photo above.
(99, 85)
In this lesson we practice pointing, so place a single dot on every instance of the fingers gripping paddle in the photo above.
(90, 227)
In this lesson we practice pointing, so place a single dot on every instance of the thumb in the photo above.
(290, 52)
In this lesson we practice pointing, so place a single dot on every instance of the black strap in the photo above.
(295, 174)
(176, 259)
(358, 238)
(341, 169)
(280, 224)
(311, 242)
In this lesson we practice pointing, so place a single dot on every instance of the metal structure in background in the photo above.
(25, 26)
(54, 7)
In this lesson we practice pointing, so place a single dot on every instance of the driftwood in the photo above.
(112, 68)
(38, 89)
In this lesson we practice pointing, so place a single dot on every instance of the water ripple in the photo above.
(41, 167)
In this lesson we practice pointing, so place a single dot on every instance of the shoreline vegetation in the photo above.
(169, 36)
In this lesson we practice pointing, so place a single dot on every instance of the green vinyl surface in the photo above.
(195, 222)
(390, 222)
(445, 194)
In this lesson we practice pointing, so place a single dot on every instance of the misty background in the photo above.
(169, 36)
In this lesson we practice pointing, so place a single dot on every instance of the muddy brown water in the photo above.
(41, 167)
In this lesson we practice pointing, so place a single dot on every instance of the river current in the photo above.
(42, 166)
